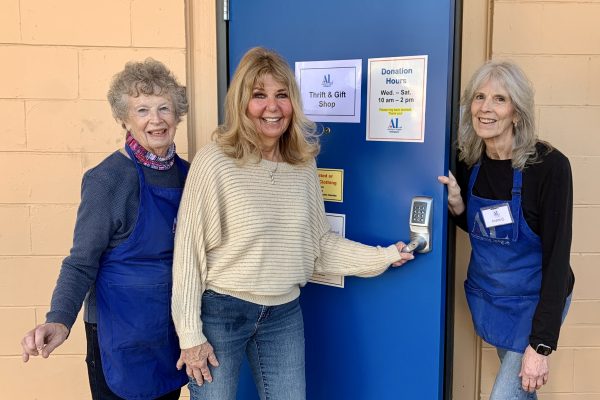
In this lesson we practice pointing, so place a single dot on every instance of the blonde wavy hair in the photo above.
(238, 136)
(512, 78)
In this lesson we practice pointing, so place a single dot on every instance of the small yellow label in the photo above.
(395, 111)
(332, 184)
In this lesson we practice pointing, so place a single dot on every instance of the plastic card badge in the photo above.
(497, 215)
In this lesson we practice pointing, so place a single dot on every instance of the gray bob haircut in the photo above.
(512, 78)
(149, 77)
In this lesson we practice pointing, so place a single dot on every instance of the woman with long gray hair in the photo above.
(513, 194)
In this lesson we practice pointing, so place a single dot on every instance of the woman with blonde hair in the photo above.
(252, 230)
(513, 194)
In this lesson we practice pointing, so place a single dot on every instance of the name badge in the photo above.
(497, 215)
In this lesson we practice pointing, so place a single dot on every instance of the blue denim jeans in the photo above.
(508, 384)
(98, 385)
(272, 337)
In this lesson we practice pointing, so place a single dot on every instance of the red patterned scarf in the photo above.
(149, 159)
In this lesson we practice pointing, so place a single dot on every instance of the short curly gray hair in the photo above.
(150, 77)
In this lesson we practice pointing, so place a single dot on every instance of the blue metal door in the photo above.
(383, 337)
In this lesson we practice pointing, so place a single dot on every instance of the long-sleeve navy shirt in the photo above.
(547, 203)
(107, 215)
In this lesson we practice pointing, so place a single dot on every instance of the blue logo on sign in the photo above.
(394, 124)
(327, 80)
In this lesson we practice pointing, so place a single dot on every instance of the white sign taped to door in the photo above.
(396, 92)
(338, 226)
(330, 90)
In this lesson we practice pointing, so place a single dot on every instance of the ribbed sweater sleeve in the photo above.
(198, 231)
(341, 256)
(242, 234)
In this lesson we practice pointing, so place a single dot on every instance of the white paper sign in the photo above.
(396, 99)
(338, 226)
(337, 223)
(330, 90)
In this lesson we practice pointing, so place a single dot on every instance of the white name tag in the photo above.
(497, 215)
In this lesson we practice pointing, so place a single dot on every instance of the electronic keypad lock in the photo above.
(421, 214)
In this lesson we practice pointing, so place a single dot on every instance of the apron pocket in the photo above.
(503, 321)
(140, 315)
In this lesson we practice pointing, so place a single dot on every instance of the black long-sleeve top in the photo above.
(547, 203)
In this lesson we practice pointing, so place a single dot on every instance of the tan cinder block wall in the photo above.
(57, 60)
(558, 45)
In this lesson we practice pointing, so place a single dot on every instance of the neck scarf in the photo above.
(149, 159)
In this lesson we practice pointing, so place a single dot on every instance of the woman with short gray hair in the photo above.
(122, 252)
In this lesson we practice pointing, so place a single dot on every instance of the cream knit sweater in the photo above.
(239, 233)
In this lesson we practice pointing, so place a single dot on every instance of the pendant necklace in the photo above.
(272, 172)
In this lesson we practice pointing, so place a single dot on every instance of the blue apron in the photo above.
(138, 344)
(505, 272)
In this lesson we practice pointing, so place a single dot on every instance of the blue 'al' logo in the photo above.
(394, 124)
(327, 81)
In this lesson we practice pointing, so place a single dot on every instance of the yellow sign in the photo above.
(332, 184)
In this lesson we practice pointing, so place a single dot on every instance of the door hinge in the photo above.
(225, 10)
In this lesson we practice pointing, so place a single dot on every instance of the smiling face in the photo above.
(493, 113)
(152, 122)
(270, 110)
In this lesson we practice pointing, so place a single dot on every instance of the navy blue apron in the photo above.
(138, 344)
(505, 272)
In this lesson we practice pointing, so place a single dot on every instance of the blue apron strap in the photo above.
(137, 166)
(515, 203)
(181, 165)
(473, 177)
